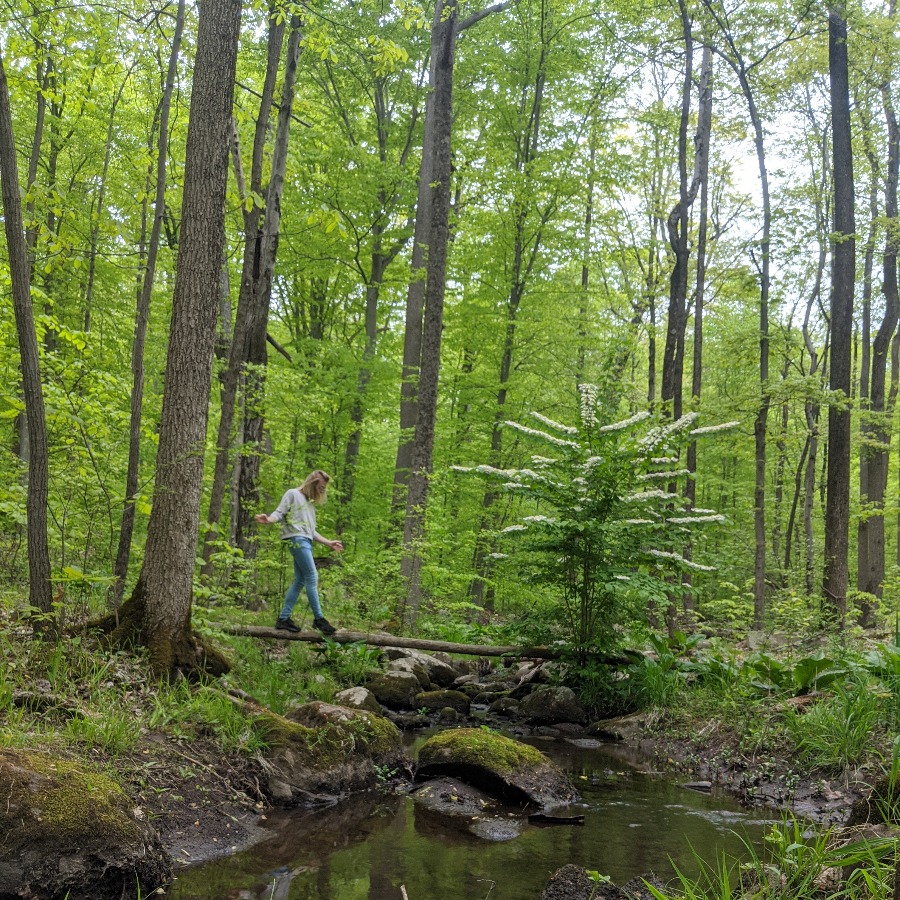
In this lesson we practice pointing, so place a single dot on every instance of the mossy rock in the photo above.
(70, 832)
(503, 767)
(548, 705)
(320, 751)
(395, 689)
(442, 699)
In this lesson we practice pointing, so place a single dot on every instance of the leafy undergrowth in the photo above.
(808, 730)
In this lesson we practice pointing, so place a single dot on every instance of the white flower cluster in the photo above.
(565, 429)
(510, 529)
(625, 423)
(539, 520)
(638, 522)
(589, 394)
(664, 460)
(592, 461)
(559, 442)
(687, 520)
(652, 495)
(544, 461)
(498, 556)
(650, 476)
(659, 435)
(711, 429)
(675, 557)
(622, 577)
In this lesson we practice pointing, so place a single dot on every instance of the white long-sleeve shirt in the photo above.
(297, 515)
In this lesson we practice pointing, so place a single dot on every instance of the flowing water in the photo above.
(368, 846)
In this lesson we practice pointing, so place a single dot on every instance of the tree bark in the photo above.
(879, 431)
(258, 320)
(161, 601)
(837, 513)
(865, 376)
(704, 128)
(142, 313)
(39, 587)
(525, 252)
(440, 109)
(237, 357)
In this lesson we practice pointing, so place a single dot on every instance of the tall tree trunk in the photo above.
(678, 226)
(865, 377)
(525, 253)
(742, 70)
(780, 465)
(258, 320)
(880, 429)
(415, 298)
(237, 358)
(98, 210)
(142, 312)
(44, 73)
(837, 514)
(39, 588)
(704, 126)
(438, 205)
(159, 609)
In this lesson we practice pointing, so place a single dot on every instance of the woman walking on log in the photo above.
(297, 513)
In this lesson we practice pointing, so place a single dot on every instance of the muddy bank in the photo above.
(711, 756)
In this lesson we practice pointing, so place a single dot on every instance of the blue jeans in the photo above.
(305, 576)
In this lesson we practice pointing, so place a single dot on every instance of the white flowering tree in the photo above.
(609, 516)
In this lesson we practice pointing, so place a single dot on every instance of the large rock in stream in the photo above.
(504, 768)
(548, 705)
(70, 832)
(320, 751)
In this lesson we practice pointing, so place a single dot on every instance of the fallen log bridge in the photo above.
(381, 639)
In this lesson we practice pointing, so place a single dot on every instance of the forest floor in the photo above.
(206, 802)
(203, 803)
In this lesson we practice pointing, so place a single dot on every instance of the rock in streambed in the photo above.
(504, 768)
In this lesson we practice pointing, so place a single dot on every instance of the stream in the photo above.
(369, 845)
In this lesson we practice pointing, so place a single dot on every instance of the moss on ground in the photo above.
(74, 802)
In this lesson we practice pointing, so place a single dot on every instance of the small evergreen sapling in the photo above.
(609, 520)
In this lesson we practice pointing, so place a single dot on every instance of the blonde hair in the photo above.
(314, 486)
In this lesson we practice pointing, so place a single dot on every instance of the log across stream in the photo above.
(381, 639)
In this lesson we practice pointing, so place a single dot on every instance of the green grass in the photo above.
(836, 732)
(796, 863)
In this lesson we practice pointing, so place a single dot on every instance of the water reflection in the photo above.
(368, 846)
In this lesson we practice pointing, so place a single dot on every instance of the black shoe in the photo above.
(287, 625)
(324, 626)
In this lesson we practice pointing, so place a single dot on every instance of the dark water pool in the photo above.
(371, 845)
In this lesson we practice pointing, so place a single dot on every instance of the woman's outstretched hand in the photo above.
(337, 546)
(262, 518)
